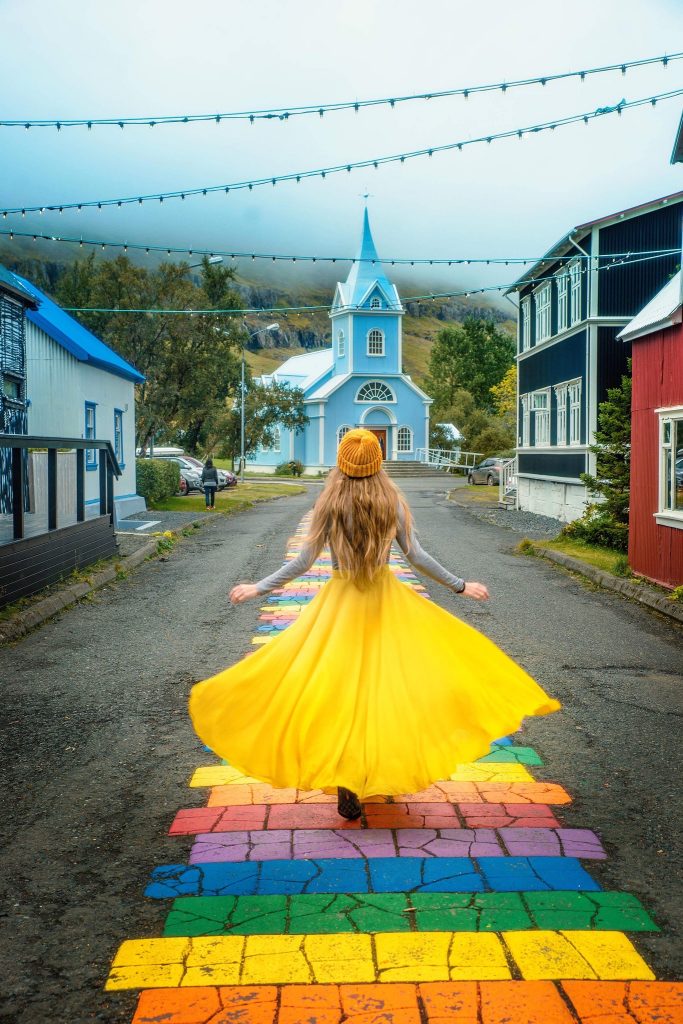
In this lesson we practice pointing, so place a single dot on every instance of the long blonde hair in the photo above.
(358, 517)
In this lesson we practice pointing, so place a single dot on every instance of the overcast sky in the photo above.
(91, 58)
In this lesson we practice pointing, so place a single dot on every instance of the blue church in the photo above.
(358, 382)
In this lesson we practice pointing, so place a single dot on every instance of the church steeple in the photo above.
(367, 277)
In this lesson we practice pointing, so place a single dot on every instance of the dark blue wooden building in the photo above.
(572, 305)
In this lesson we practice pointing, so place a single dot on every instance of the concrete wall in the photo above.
(563, 501)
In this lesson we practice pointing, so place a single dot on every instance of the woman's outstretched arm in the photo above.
(288, 571)
(423, 562)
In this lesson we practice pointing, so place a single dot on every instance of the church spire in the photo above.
(367, 273)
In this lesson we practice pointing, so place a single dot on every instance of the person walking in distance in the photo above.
(210, 483)
(374, 690)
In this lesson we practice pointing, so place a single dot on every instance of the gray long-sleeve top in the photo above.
(410, 545)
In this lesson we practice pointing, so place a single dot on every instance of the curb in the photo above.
(609, 582)
(43, 610)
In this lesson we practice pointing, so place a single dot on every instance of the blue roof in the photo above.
(367, 273)
(71, 335)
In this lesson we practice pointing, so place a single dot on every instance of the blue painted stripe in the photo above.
(382, 874)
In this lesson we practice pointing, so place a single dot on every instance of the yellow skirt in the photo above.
(380, 691)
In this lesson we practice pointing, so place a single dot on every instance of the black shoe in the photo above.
(348, 804)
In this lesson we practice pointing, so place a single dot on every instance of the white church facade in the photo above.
(358, 382)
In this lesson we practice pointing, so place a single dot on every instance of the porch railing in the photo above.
(507, 487)
(447, 459)
(108, 468)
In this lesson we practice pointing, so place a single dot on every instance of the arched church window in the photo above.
(341, 344)
(344, 429)
(375, 391)
(376, 303)
(405, 439)
(375, 342)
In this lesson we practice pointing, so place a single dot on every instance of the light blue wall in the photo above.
(408, 410)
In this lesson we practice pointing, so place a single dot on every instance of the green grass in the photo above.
(234, 499)
(476, 495)
(602, 558)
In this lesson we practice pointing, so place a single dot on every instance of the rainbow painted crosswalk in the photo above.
(467, 902)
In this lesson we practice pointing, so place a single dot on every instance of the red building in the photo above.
(656, 513)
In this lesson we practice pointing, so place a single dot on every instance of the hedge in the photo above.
(157, 478)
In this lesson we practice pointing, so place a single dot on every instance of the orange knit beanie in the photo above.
(359, 453)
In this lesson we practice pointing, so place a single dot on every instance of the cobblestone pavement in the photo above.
(467, 901)
(541, 884)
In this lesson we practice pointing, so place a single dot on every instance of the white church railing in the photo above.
(443, 458)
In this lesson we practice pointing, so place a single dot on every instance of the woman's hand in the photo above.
(476, 590)
(243, 592)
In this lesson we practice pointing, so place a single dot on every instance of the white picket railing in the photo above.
(507, 488)
(443, 458)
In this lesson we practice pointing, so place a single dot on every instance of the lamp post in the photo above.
(251, 334)
(212, 260)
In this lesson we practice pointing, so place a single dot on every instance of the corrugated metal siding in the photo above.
(624, 290)
(612, 360)
(655, 551)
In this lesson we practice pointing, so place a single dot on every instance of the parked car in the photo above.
(225, 477)
(486, 472)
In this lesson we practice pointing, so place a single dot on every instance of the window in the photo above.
(525, 325)
(405, 439)
(118, 436)
(376, 303)
(344, 429)
(525, 438)
(341, 344)
(575, 286)
(540, 406)
(575, 412)
(375, 391)
(671, 462)
(543, 299)
(90, 427)
(375, 343)
(561, 414)
(11, 387)
(276, 441)
(562, 299)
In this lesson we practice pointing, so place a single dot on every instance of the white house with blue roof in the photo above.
(76, 386)
(359, 381)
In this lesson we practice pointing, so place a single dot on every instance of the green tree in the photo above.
(474, 355)
(190, 363)
(266, 408)
(605, 520)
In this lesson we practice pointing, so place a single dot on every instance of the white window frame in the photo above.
(574, 394)
(575, 273)
(374, 399)
(378, 339)
(668, 514)
(526, 421)
(562, 279)
(525, 323)
(541, 411)
(375, 302)
(341, 344)
(543, 298)
(118, 437)
(276, 445)
(561, 415)
(341, 430)
(399, 448)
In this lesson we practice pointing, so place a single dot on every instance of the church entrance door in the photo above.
(381, 436)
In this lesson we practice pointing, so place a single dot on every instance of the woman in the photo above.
(374, 689)
(210, 483)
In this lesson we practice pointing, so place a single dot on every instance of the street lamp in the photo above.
(212, 261)
(251, 334)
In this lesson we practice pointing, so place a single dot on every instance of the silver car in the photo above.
(486, 472)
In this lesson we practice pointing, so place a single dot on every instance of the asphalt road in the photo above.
(97, 749)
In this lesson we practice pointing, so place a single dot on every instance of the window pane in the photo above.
(677, 426)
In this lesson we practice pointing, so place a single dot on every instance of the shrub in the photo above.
(621, 566)
(598, 526)
(676, 594)
(156, 479)
(292, 468)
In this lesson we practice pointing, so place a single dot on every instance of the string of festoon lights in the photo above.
(320, 109)
(324, 172)
(394, 261)
(301, 310)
